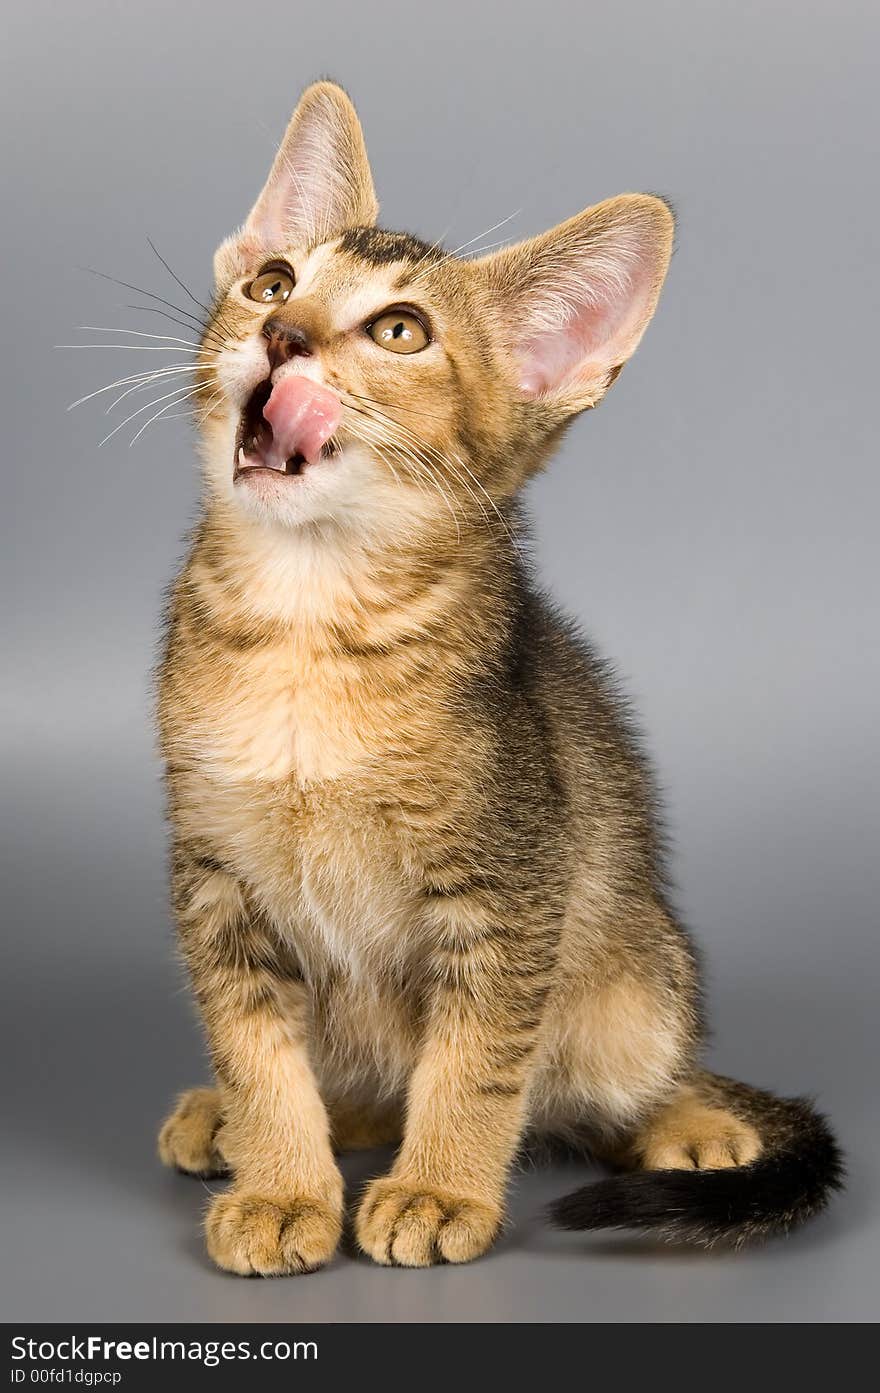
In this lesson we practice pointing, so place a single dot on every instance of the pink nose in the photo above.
(303, 416)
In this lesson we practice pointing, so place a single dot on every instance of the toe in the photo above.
(468, 1233)
(715, 1154)
(668, 1156)
(414, 1232)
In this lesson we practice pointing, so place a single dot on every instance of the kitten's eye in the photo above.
(271, 286)
(399, 332)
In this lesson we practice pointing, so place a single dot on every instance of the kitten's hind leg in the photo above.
(692, 1131)
(717, 1161)
(189, 1139)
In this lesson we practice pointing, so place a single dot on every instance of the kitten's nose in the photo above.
(285, 341)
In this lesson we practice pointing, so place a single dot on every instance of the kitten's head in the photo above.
(363, 379)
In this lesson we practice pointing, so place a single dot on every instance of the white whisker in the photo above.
(139, 347)
(406, 456)
(138, 333)
(134, 377)
(145, 386)
(462, 247)
(178, 392)
(151, 419)
(424, 451)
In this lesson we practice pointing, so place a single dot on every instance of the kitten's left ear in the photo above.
(576, 300)
(319, 184)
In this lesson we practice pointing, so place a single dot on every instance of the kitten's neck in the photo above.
(326, 588)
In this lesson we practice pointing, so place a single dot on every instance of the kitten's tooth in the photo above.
(241, 457)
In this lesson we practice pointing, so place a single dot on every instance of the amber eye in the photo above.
(272, 286)
(399, 331)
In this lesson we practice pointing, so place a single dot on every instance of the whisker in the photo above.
(377, 416)
(377, 438)
(139, 334)
(444, 461)
(494, 228)
(505, 528)
(139, 290)
(373, 434)
(136, 348)
(145, 386)
(151, 419)
(435, 265)
(202, 413)
(447, 463)
(154, 309)
(486, 247)
(185, 288)
(396, 406)
(435, 246)
(178, 392)
(177, 415)
(374, 445)
(427, 469)
(472, 255)
(133, 377)
(209, 311)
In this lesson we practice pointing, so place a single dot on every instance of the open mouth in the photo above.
(286, 427)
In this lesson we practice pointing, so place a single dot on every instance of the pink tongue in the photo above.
(303, 416)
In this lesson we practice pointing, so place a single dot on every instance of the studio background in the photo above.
(714, 526)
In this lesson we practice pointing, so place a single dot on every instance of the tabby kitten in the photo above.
(415, 862)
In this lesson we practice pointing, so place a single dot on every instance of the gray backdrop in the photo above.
(714, 525)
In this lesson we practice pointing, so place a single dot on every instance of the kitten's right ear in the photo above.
(319, 184)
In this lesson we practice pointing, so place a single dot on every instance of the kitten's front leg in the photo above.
(443, 1200)
(283, 1213)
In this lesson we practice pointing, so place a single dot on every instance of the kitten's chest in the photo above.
(297, 768)
(272, 715)
(322, 862)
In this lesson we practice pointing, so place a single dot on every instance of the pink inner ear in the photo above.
(595, 336)
(553, 355)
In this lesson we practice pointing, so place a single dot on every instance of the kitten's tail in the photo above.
(793, 1179)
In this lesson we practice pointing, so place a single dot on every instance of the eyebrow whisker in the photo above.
(428, 270)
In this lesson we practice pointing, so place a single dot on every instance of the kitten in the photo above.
(415, 861)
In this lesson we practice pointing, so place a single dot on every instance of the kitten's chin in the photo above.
(311, 494)
(347, 490)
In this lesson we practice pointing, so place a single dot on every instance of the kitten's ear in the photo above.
(576, 300)
(319, 184)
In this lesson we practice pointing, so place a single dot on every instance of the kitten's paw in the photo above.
(415, 1225)
(188, 1140)
(249, 1234)
(698, 1138)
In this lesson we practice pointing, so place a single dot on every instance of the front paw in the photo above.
(416, 1225)
(251, 1234)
